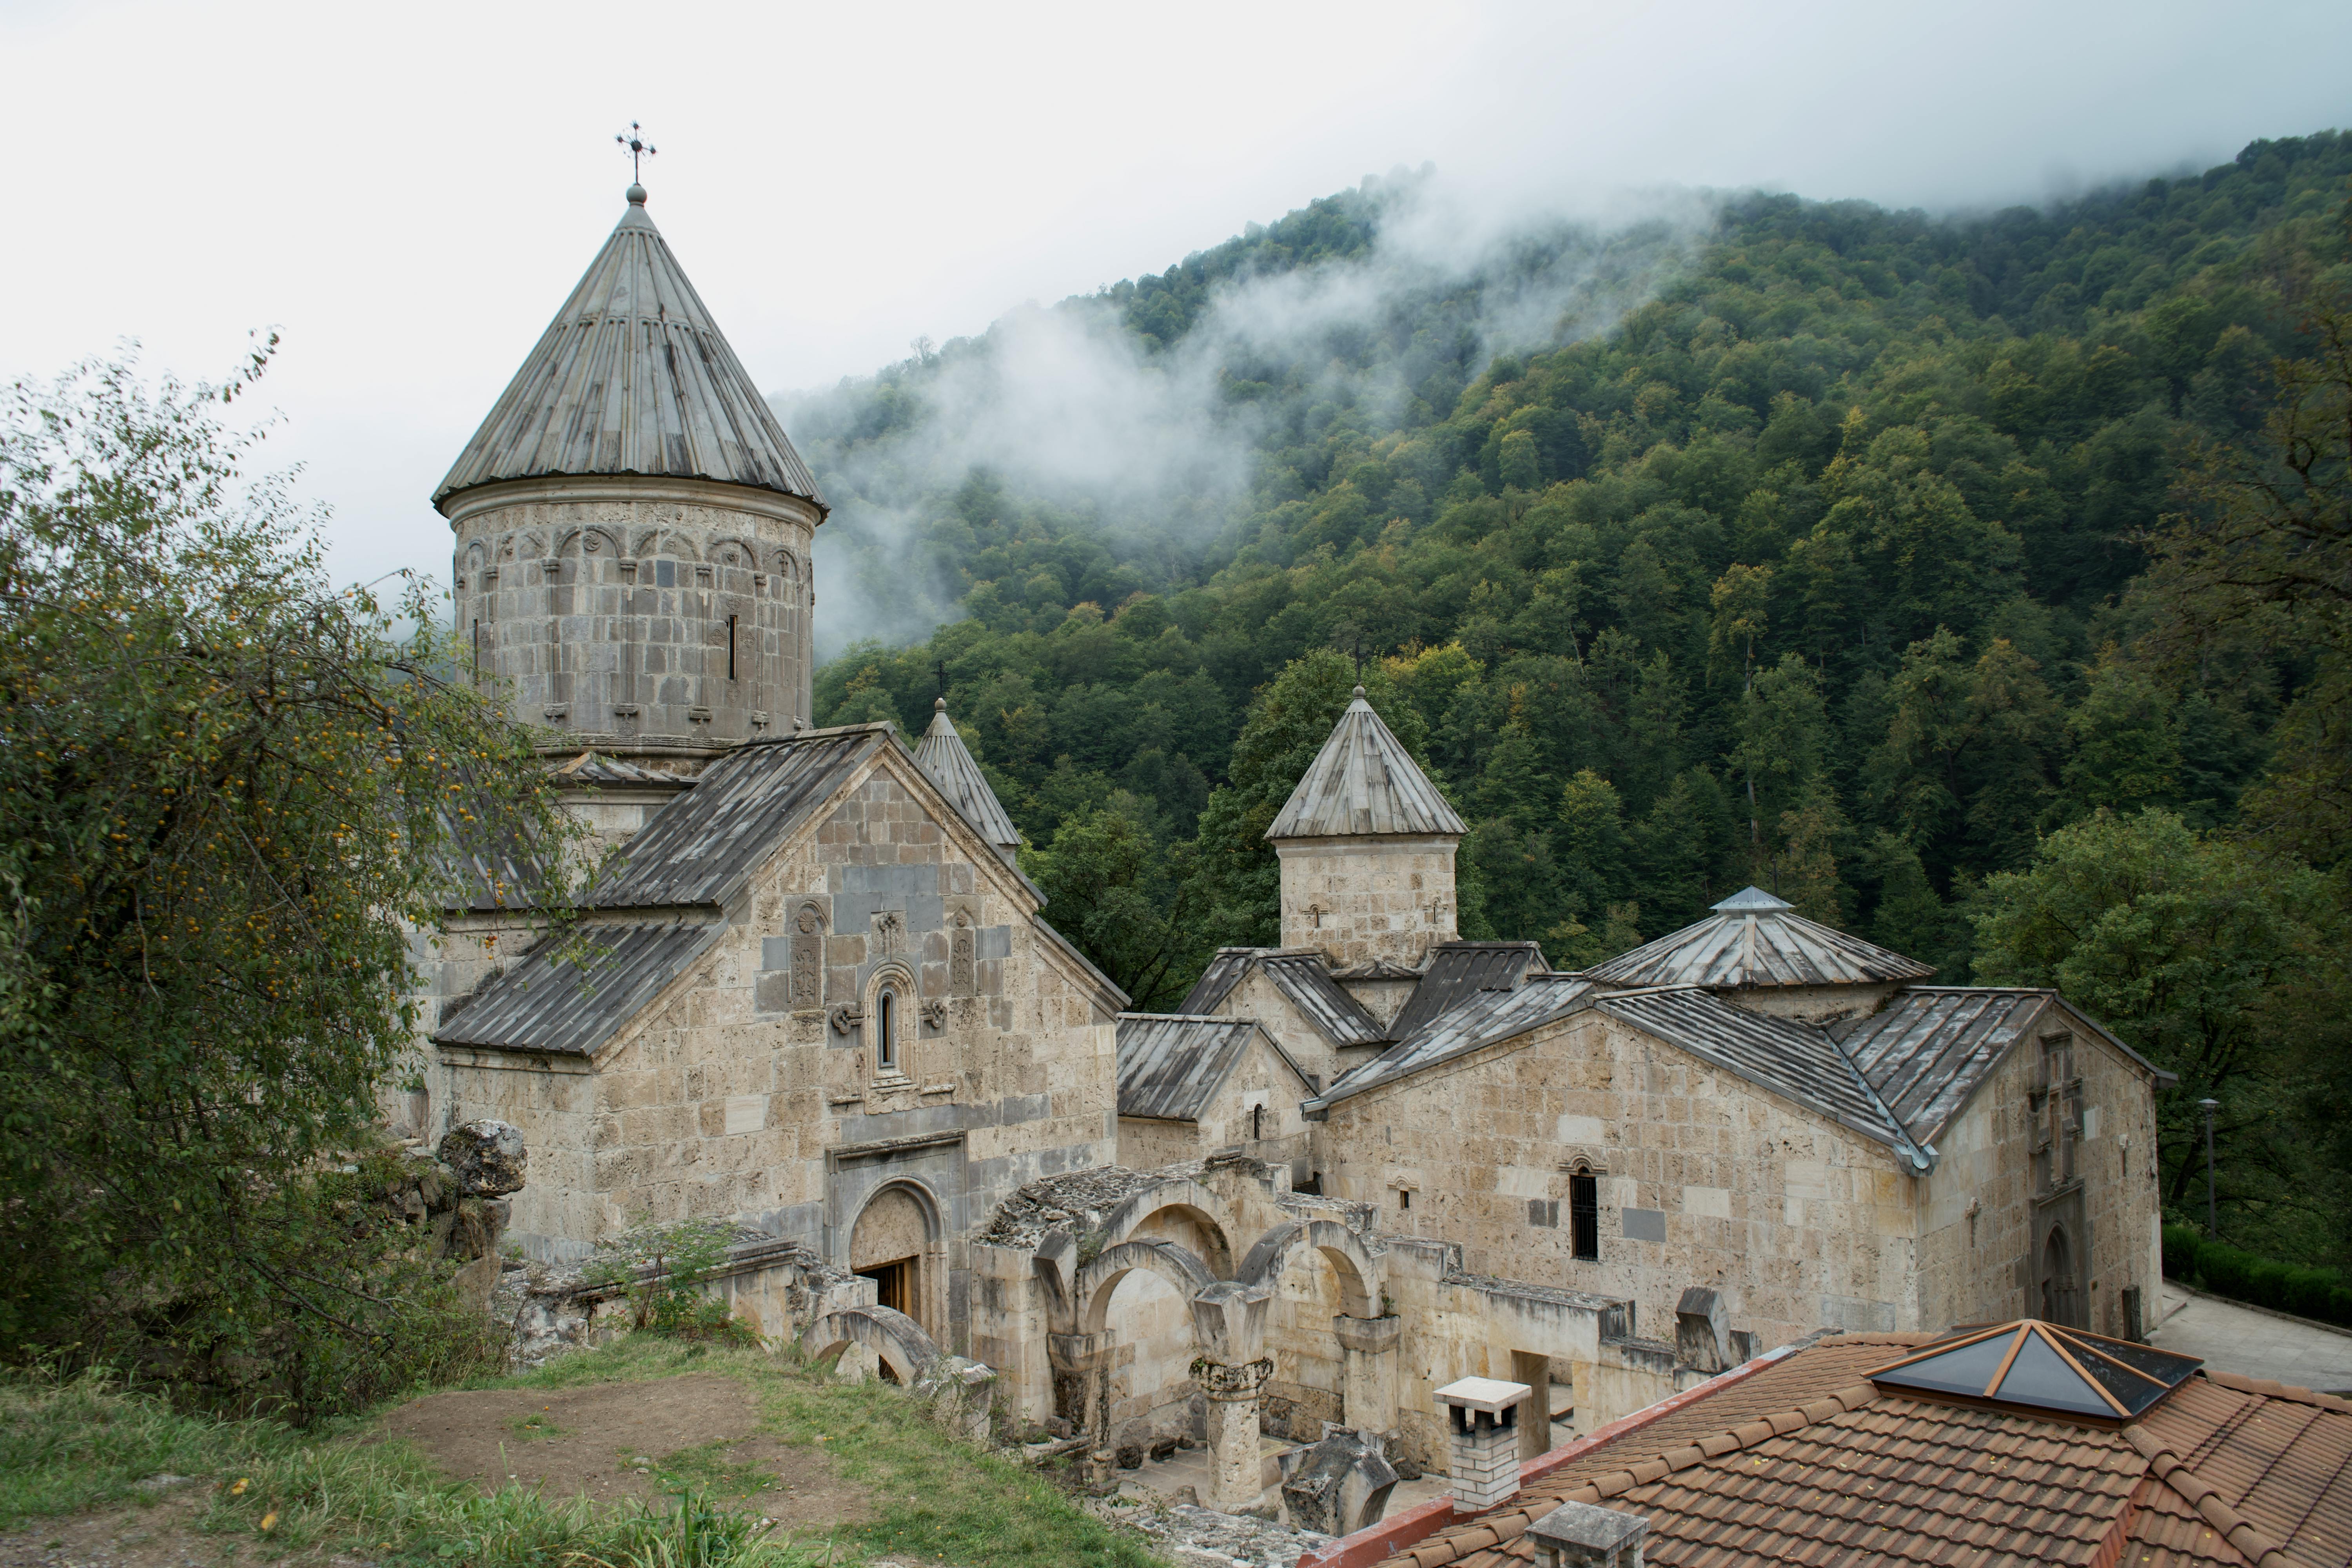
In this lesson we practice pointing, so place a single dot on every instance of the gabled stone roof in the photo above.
(703, 847)
(1753, 939)
(569, 996)
(952, 767)
(633, 376)
(1364, 782)
(1303, 977)
(1170, 1065)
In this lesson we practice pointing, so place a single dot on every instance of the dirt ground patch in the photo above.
(702, 1429)
(161, 1535)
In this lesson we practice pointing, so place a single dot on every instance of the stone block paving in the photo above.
(2230, 1338)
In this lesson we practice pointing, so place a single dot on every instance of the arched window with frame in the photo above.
(885, 1030)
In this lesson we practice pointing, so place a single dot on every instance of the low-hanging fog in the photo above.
(1150, 443)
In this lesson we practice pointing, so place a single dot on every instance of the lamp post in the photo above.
(2212, 1211)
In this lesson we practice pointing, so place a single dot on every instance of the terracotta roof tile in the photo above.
(1798, 1463)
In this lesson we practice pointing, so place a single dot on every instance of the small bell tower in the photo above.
(1367, 846)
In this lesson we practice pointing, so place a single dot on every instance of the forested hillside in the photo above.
(1801, 544)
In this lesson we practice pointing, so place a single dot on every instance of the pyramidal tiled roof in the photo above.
(952, 767)
(632, 378)
(1364, 782)
(1755, 938)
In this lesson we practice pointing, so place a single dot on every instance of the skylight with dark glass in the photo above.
(2043, 1368)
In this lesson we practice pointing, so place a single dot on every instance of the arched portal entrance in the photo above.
(2058, 1295)
(897, 1243)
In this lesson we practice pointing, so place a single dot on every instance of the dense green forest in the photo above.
(1928, 571)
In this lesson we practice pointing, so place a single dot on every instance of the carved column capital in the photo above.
(1219, 1381)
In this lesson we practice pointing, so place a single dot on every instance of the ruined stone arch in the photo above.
(1191, 1201)
(1099, 1281)
(896, 1340)
(1359, 1270)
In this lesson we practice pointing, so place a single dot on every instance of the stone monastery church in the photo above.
(827, 1005)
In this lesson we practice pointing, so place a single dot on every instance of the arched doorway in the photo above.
(2058, 1294)
(895, 1243)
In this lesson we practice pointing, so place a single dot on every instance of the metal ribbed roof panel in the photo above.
(1459, 970)
(552, 1003)
(702, 847)
(1338, 1016)
(1754, 939)
(1217, 981)
(1779, 1053)
(633, 376)
(1171, 1064)
(1483, 1018)
(1926, 1051)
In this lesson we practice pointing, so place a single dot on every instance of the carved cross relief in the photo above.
(889, 934)
(808, 957)
(961, 950)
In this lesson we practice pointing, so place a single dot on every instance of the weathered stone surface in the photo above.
(487, 1158)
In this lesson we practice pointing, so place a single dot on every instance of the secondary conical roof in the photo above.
(1755, 938)
(632, 378)
(1364, 782)
(943, 756)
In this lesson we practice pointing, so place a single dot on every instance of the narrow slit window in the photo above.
(1584, 1215)
(731, 648)
(886, 1035)
(1404, 1197)
(1258, 1123)
(478, 650)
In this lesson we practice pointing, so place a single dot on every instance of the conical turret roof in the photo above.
(1755, 938)
(632, 378)
(1364, 782)
(943, 756)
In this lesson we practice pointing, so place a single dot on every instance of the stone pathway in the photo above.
(2229, 1338)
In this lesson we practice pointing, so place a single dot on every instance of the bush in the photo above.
(2319, 1294)
(663, 1270)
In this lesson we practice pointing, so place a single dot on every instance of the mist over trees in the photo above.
(1979, 584)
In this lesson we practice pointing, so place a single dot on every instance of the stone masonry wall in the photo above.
(742, 1094)
(1704, 1179)
(1977, 1262)
(1368, 897)
(607, 604)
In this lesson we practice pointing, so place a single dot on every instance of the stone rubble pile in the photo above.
(1075, 1200)
(1197, 1537)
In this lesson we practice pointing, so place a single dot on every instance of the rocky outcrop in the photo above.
(487, 1157)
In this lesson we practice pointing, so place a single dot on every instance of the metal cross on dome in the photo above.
(639, 150)
(940, 669)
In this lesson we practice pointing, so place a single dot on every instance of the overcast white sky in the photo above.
(407, 192)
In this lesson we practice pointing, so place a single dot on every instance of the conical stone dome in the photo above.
(1363, 781)
(943, 756)
(633, 376)
(631, 530)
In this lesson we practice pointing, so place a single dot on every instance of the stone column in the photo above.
(1229, 1325)
(1081, 1382)
(1237, 1478)
(1368, 1361)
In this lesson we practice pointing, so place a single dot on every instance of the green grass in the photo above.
(89, 1442)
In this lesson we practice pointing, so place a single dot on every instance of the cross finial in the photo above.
(639, 150)
(941, 671)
